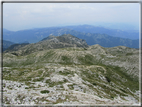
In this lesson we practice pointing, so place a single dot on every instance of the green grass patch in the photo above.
(129, 54)
(66, 60)
(87, 60)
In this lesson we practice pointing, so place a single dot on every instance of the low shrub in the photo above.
(44, 91)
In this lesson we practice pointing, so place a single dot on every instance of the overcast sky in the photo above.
(19, 16)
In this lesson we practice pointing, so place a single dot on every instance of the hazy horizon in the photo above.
(112, 26)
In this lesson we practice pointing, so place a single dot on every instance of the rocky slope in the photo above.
(92, 75)
(71, 76)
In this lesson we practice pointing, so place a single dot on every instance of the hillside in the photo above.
(71, 74)
(6, 44)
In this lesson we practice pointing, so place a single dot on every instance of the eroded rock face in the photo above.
(72, 76)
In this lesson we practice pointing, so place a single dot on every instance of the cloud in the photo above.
(18, 16)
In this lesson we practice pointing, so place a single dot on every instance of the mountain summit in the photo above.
(66, 39)
(51, 42)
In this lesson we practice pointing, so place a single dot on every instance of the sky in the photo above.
(20, 16)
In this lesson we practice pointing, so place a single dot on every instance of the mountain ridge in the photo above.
(35, 35)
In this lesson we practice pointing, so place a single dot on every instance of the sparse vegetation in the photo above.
(79, 69)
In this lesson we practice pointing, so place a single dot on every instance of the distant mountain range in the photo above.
(130, 34)
(92, 35)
